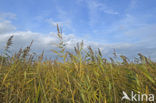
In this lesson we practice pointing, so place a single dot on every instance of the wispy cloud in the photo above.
(96, 8)
(7, 15)
(47, 42)
(133, 4)
(54, 23)
(110, 11)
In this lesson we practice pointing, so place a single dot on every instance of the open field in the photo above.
(81, 77)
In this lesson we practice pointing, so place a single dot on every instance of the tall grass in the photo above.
(82, 77)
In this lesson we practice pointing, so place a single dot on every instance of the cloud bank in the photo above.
(47, 42)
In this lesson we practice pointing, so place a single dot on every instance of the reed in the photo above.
(83, 77)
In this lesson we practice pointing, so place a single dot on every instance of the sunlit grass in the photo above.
(82, 77)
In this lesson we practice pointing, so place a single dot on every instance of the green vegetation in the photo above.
(82, 77)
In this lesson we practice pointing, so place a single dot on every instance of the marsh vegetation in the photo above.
(84, 76)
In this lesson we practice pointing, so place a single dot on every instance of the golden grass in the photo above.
(80, 78)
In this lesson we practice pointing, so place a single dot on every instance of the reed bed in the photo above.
(84, 76)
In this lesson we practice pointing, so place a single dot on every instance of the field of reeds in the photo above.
(83, 76)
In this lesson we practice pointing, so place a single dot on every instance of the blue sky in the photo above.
(128, 25)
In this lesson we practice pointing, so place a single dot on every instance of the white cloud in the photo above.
(5, 23)
(46, 41)
(6, 26)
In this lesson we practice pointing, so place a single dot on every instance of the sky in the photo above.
(129, 26)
